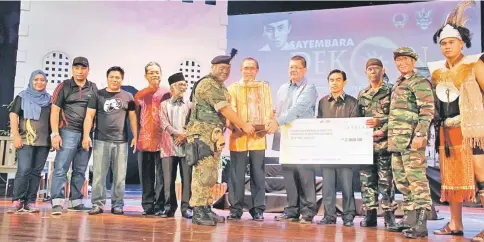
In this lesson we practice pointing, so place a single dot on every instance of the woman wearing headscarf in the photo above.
(30, 128)
(460, 120)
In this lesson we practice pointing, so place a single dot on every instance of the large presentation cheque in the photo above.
(327, 141)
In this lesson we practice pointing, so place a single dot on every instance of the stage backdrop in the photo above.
(181, 36)
(341, 39)
(178, 35)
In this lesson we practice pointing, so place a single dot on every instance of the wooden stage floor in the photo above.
(131, 227)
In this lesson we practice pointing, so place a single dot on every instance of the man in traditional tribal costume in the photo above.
(459, 119)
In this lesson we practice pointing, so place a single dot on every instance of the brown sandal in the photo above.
(447, 231)
(479, 237)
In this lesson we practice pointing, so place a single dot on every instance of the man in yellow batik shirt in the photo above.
(252, 101)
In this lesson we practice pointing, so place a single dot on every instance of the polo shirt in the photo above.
(72, 100)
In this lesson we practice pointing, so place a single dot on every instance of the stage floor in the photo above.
(76, 226)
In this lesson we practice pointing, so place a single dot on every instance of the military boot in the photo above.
(409, 219)
(419, 230)
(200, 217)
(215, 217)
(370, 219)
(389, 217)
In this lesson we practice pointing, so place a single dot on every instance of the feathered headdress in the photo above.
(457, 17)
(454, 24)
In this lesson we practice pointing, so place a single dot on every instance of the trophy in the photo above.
(252, 104)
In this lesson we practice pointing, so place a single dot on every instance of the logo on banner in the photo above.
(424, 18)
(399, 20)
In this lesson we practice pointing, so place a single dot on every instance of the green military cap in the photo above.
(405, 51)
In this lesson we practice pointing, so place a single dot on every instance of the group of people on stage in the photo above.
(169, 131)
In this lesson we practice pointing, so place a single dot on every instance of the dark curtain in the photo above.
(9, 24)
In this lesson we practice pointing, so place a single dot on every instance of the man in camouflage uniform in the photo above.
(205, 139)
(374, 101)
(411, 111)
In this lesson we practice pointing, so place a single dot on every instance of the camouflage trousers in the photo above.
(410, 175)
(204, 178)
(377, 179)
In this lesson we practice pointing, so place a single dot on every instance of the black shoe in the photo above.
(214, 216)
(79, 208)
(149, 211)
(258, 216)
(389, 217)
(327, 220)
(370, 219)
(95, 210)
(419, 230)
(166, 214)
(201, 217)
(233, 217)
(306, 220)
(348, 223)
(409, 219)
(57, 210)
(117, 211)
(158, 212)
(188, 214)
(285, 217)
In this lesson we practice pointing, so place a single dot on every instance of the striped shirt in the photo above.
(173, 114)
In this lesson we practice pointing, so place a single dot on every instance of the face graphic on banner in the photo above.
(277, 34)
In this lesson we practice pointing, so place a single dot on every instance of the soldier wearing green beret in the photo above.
(411, 111)
(376, 179)
(205, 137)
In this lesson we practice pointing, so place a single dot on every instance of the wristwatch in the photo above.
(52, 135)
(418, 134)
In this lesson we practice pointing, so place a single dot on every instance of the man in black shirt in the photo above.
(111, 106)
(338, 105)
(69, 103)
